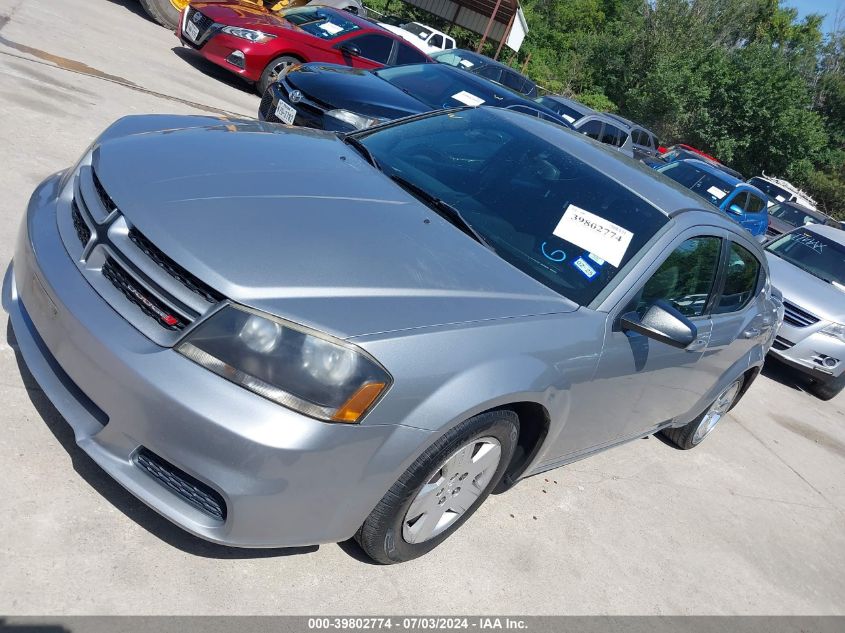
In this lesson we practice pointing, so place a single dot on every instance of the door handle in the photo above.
(752, 332)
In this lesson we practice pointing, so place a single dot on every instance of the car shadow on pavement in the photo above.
(115, 494)
(785, 375)
(200, 63)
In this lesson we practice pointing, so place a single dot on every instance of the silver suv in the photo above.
(808, 267)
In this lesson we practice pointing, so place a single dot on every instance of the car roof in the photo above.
(659, 191)
(830, 232)
(602, 116)
(571, 103)
(628, 122)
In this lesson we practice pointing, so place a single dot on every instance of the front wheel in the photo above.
(441, 489)
(274, 71)
(165, 12)
(692, 434)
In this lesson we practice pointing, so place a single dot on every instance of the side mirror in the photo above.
(735, 209)
(663, 323)
(350, 49)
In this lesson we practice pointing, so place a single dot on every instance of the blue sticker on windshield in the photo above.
(556, 255)
(588, 271)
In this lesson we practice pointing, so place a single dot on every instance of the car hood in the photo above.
(245, 14)
(296, 223)
(354, 89)
(807, 291)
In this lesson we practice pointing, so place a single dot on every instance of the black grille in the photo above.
(780, 344)
(203, 23)
(105, 198)
(172, 268)
(193, 491)
(82, 230)
(149, 304)
(266, 103)
(797, 317)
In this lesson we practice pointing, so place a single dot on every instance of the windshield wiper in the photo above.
(361, 149)
(443, 209)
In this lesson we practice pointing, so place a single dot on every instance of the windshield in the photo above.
(813, 253)
(775, 193)
(437, 87)
(792, 216)
(710, 187)
(417, 29)
(570, 114)
(458, 58)
(545, 212)
(318, 22)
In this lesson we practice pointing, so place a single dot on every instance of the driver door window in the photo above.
(686, 279)
(374, 47)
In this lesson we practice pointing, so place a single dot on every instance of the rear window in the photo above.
(409, 55)
(320, 23)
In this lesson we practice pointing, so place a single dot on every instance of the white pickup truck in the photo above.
(425, 38)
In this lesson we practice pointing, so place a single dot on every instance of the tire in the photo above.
(692, 434)
(275, 70)
(828, 389)
(388, 534)
(165, 12)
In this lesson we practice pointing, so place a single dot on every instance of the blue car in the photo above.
(743, 202)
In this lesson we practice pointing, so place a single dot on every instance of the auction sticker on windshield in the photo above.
(717, 193)
(285, 113)
(603, 238)
(330, 28)
(468, 98)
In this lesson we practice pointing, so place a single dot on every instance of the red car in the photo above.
(261, 45)
(689, 148)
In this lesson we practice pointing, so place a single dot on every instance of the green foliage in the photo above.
(745, 80)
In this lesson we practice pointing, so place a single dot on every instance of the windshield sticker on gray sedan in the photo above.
(588, 271)
(468, 98)
(593, 233)
(809, 241)
(556, 255)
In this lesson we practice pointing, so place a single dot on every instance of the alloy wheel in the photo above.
(717, 411)
(452, 489)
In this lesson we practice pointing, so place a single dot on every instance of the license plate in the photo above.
(192, 31)
(285, 113)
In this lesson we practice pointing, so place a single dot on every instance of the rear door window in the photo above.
(406, 54)
(374, 46)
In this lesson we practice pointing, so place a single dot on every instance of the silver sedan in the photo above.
(277, 336)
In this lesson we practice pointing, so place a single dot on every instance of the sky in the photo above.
(819, 6)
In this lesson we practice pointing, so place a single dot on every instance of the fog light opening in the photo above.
(830, 362)
(236, 58)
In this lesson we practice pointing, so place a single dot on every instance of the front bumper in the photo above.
(806, 349)
(285, 479)
(309, 113)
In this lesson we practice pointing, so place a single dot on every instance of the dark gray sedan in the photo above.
(279, 336)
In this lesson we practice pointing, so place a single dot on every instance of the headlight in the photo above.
(836, 330)
(289, 364)
(248, 34)
(358, 121)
